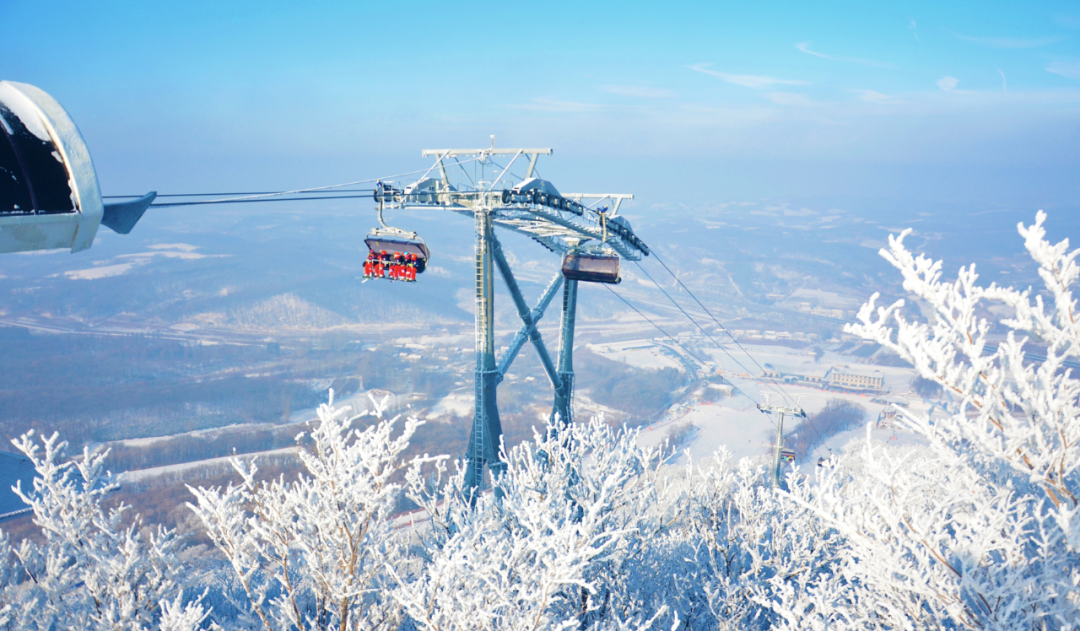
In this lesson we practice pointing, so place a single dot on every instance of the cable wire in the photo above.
(656, 255)
(267, 196)
(666, 334)
(689, 317)
(724, 328)
(254, 201)
(349, 190)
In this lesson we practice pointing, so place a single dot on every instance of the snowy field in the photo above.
(645, 353)
(737, 424)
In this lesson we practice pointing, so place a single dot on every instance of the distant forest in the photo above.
(102, 388)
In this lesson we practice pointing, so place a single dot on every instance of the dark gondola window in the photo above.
(33, 177)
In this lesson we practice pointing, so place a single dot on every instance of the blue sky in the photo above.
(678, 102)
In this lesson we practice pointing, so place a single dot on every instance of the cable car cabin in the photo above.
(395, 258)
(787, 455)
(49, 193)
(591, 267)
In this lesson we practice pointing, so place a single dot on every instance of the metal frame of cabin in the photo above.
(527, 205)
(49, 196)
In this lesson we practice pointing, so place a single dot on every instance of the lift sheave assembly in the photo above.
(487, 185)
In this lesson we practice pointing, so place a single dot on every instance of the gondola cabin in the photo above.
(395, 258)
(49, 194)
(591, 267)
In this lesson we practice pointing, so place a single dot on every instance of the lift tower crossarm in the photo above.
(453, 153)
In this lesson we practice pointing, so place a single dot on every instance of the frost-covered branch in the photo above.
(90, 572)
(983, 528)
(312, 553)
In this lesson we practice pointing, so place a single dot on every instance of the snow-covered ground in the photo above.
(733, 422)
(141, 474)
(645, 353)
(737, 424)
(460, 403)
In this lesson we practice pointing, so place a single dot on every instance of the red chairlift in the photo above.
(394, 254)
(395, 260)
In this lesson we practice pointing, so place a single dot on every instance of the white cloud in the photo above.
(805, 47)
(640, 91)
(758, 82)
(948, 83)
(789, 98)
(872, 96)
(1070, 69)
(1008, 42)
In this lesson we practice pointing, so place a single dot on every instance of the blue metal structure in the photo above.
(533, 207)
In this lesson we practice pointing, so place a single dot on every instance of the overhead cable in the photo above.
(706, 310)
(160, 195)
(689, 317)
(666, 334)
(724, 328)
(253, 201)
(268, 196)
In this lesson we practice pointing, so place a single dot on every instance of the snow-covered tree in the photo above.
(760, 555)
(980, 530)
(551, 547)
(314, 553)
(585, 529)
(90, 572)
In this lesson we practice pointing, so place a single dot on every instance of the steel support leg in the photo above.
(486, 433)
(525, 315)
(777, 450)
(526, 329)
(564, 396)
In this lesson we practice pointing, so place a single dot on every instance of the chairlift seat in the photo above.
(392, 245)
(591, 267)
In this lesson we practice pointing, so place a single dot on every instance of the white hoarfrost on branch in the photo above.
(585, 529)
(761, 558)
(313, 553)
(547, 548)
(981, 530)
(89, 572)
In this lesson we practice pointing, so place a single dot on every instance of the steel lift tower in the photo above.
(796, 411)
(584, 228)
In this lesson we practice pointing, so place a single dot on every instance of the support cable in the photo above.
(348, 190)
(666, 334)
(718, 345)
(269, 196)
(251, 201)
(656, 255)
(725, 329)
